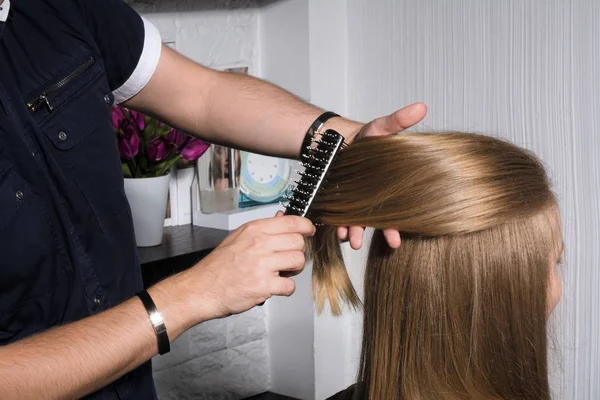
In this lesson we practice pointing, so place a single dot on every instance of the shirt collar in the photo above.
(4, 10)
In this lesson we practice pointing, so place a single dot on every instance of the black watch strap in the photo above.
(164, 346)
(315, 127)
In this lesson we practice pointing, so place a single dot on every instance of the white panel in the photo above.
(335, 337)
(525, 70)
(284, 61)
(291, 335)
(284, 55)
(328, 45)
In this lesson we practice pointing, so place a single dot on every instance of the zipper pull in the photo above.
(39, 102)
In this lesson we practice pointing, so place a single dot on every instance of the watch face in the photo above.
(263, 179)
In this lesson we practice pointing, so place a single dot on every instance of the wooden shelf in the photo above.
(182, 247)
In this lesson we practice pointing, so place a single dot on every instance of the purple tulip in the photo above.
(194, 149)
(118, 116)
(157, 149)
(177, 138)
(129, 142)
(129, 128)
(138, 119)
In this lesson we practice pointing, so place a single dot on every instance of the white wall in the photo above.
(328, 25)
(284, 61)
(226, 358)
(218, 34)
(284, 47)
(526, 70)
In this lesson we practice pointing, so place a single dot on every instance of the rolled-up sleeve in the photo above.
(4, 8)
(130, 45)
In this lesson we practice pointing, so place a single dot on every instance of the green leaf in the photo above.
(133, 166)
(150, 131)
(163, 131)
(163, 167)
(126, 170)
(142, 159)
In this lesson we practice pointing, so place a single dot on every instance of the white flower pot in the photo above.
(148, 201)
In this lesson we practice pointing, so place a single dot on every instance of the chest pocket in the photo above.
(75, 118)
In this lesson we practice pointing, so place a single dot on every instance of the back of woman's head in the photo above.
(459, 311)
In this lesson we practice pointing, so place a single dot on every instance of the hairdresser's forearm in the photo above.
(230, 109)
(79, 358)
(266, 119)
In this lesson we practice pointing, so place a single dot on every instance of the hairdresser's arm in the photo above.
(76, 359)
(243, 111)
(246, 112)
(231, 109)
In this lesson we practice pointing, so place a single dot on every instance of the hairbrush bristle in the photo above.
(316, 160)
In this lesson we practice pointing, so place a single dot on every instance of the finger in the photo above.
(342, 232)
(356, 237)
(392, 236)
(398, 121)
(283, 287)
(279, 214)
(283, 224)
(285, 242)
(285, 261)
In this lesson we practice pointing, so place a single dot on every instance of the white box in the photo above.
(229, 220)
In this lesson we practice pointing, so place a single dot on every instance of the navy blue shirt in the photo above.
(67, 248)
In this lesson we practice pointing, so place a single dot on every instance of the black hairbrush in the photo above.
(316, 157)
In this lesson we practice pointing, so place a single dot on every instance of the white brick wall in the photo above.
(221, 359)
(217, 34)
(227, 358)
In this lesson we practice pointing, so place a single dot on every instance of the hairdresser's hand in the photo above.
(388, 125)
(245, 269)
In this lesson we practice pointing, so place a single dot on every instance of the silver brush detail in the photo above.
(316, 160)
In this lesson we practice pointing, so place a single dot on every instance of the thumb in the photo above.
(397, 121)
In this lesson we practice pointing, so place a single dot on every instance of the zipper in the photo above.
(42, 100)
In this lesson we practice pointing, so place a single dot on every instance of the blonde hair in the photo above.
(459, 310)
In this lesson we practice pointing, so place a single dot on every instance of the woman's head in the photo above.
(460, 309)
